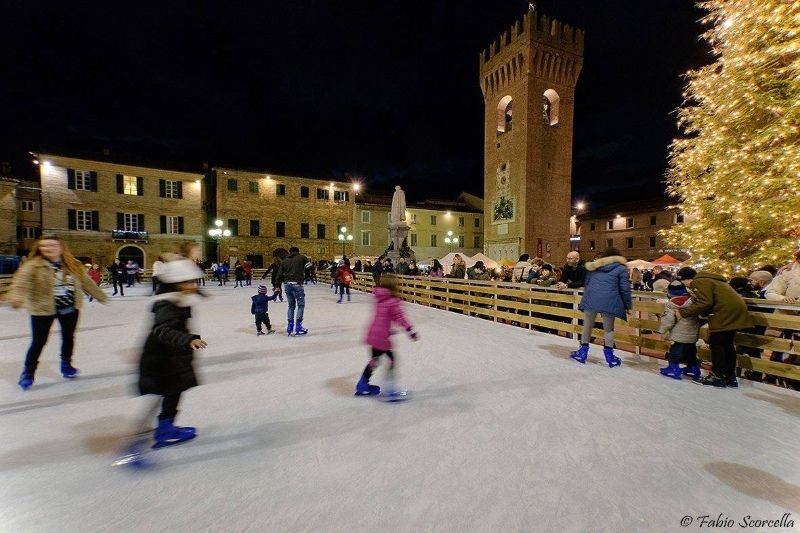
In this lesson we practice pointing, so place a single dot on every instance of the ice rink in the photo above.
(504, 432)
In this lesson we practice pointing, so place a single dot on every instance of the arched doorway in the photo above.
(132, 253)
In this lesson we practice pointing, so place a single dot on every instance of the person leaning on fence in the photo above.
(608, 292)
(786, 288)
(728, 314)
(683, 334)
(573, 273)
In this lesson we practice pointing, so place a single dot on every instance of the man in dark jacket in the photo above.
(574, 272)
(728, 313)
(292, 274)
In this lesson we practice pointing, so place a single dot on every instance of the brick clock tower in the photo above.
(528, 78)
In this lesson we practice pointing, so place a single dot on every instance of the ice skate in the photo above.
(134, 455)
(167, 434)
(25, 380)
(672, 371)
(693, 371)
(290, 327)
(363, 388)
(611, 359)
(581, 354)
(67, 370)
(712, 380)
(299, 329)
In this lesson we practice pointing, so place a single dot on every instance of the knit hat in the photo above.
(660, 285)
(178, 271)
(686, 273)
(262, 289)
(676, 288)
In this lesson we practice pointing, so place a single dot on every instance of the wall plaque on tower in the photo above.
(503, 206)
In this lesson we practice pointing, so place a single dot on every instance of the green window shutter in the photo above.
(180, 224)
(120, 221)
(139, 186)
(94, 180)
(140, 222)
(70, 178)
(162, 189)
(180, 190)
(96, 220)
(163, 222)
(72, 219)
(120, 185)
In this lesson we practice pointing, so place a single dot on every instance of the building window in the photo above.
(433, 220)
(255, 228)
(83, 220)
(365, 217)
(130, 221)
(253, 186)
(280, 229)
(233, 185)
(83, 180)
(679, 218)
(413, 239)
(365, 238)
(26, 205)
(280, 189)
(461, 222)
(303, 191)
(629, 222)
(652, 241)
(130, 186)
(173, 224)
(341, 196)
(320, 231)
(233, 225)
(629, 242)
(592, 246)
(322, 194)
(433, 239)
(413, 218)
(652, 220)
(477, 223)
(476, 241)
(609, 243)
(609, 224)
(170, 189)
(591, 226)
(505, 113)
(304, 230)
(28, 232)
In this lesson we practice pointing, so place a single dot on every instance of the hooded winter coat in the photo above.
(388, 309)
(685, 330)
(713, 295)
(607, 288)
(166, 364)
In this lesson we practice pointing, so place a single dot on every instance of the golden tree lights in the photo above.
(735, 170)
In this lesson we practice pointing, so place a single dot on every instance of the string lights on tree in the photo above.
(735, 170)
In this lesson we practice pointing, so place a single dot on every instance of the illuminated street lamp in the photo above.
(344, 237)
(218, 234)
(450, 240)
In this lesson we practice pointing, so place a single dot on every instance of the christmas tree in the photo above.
(735, 171)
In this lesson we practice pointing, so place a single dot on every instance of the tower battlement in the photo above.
(538, 27)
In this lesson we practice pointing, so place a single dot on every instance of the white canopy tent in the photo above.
(447, 261)
(488, 262)
(641, 264)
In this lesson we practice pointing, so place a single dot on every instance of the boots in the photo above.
(611, 359)
(26, 380)
(67, 370)
(581, 353)
(693, 371)
(348, 296)
(299, 329)
(713, 380)
(363, 388)
(290, 327)
(340, 299)
(672, 371)
(167, 434)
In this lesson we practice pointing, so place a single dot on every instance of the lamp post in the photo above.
(450, 240)
(218, 234)
(344, 237)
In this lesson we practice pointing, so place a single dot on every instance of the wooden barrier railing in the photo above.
(557, 312)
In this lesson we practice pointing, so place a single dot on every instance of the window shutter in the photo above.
(120, 185)
(94, 181)
(139, 186)
(121, 221)
(96, 220)
(70, 178)
(180, 224)
(180, 190)
(19, 232)
(162, 189)
(72, 219)
(37, 232)
(163, 222)
(140, 223)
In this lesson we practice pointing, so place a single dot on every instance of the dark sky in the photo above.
(385, 90)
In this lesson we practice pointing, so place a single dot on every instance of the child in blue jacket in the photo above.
(260, 308)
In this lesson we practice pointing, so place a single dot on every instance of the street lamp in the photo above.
(450, 240)
(218, 234)
(344, 237)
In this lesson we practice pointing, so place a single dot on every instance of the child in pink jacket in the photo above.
(388, 309)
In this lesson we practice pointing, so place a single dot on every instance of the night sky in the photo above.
(386, 91)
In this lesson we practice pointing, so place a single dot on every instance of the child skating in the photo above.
(165, 368)
(388, 310)
(260, 308)
(683, 334)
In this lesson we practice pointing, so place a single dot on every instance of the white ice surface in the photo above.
(503, 433)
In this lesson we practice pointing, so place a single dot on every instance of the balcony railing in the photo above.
(122, 235)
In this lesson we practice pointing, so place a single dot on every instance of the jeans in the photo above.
(295, 295)
(723, 353)
(40, 329)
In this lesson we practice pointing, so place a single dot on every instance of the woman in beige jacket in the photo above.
(50, 285)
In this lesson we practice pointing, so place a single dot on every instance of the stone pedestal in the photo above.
(398, 233)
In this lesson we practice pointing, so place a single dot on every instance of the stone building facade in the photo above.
(528, 77)
(8, 215)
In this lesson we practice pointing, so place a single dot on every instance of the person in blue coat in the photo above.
(607, 290)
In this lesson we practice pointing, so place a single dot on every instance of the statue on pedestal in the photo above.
(398, 226)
